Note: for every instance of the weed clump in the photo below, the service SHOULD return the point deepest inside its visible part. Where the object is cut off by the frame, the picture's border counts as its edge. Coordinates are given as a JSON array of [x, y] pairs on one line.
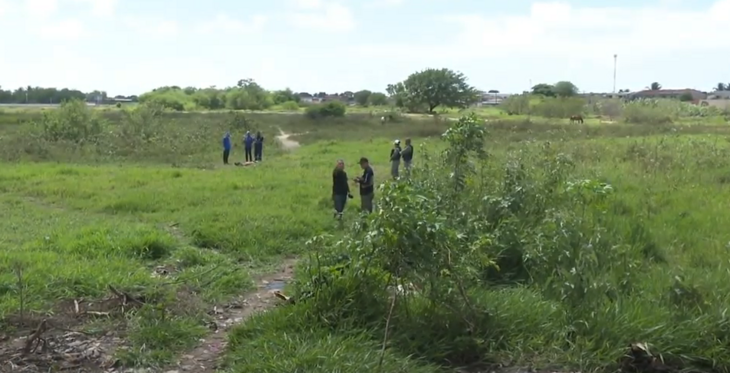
[[329, 109]]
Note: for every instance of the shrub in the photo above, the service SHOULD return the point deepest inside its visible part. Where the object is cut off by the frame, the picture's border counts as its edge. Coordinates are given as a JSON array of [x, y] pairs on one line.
[[73, 121], [290, 105], [648, 112], [516, 105], [562, 107], [328, 109]]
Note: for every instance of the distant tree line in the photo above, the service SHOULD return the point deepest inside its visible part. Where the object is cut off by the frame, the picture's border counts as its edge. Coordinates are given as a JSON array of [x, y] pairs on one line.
[[41, 95], [249, 95]]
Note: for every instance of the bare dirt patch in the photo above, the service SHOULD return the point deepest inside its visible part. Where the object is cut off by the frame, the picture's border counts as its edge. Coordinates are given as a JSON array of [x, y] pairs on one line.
[[286, 142], [205, 358]]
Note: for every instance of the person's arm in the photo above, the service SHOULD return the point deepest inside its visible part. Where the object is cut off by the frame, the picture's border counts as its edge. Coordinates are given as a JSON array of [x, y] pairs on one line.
[[344, 178], [368, 181]]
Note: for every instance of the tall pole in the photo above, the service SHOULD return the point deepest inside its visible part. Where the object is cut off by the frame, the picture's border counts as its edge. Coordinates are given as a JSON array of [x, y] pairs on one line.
[[615, 56]]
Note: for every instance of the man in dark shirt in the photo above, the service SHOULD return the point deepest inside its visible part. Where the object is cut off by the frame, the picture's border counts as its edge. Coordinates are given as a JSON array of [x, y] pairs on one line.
[[407, 155], [367, 185], [226, 147], [395, 155], [340, 188], [258, 147]]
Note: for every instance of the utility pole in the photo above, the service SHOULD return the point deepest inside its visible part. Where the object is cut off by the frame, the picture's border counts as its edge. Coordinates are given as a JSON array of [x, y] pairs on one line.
[[615, 57]]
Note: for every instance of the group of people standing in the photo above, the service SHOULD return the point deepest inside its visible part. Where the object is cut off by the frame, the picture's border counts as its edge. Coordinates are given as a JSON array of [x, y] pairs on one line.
[[341, 187], [396, 154], [253, 145]]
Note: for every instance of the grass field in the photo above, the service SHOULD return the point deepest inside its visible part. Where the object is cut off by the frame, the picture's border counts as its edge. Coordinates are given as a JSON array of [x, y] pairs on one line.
[[516, 244]]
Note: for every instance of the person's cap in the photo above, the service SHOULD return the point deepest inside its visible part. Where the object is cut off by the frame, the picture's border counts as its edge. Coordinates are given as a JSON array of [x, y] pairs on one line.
[[363, 160], [396, 142]]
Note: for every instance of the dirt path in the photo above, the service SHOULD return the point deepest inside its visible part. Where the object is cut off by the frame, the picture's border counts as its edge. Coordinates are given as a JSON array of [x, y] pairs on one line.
[[205, 358], [287, 143]]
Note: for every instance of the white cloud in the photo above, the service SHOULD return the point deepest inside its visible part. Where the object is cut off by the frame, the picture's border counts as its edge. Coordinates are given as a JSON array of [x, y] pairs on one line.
[[323, 16], [557, 28], [41, 9], [227, 24], [100, 8], [384, 3], [4, 8], [153, 27], [67, 30], [308, 4]]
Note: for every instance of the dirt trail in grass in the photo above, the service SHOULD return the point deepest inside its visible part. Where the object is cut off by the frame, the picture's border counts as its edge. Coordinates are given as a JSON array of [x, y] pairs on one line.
[[286, 142], [206, 357]]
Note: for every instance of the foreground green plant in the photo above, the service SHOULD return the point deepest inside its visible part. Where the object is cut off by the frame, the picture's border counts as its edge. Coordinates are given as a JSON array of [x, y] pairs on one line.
[[518, 259]]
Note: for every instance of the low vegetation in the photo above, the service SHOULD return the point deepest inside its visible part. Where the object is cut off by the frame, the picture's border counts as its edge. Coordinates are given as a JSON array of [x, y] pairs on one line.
[[520, 242]]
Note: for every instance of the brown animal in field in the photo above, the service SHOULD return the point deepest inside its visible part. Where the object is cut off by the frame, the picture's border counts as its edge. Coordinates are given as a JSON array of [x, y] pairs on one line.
[[576, 119]]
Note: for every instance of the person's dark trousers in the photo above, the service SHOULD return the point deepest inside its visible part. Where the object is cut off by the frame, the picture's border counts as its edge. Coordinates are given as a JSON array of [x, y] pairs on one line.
[[366, 202], [249, 157], [257, 152], [226, 154], [340, 200]]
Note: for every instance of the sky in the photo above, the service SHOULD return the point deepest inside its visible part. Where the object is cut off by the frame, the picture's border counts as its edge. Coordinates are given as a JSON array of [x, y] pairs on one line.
[[131, 46]]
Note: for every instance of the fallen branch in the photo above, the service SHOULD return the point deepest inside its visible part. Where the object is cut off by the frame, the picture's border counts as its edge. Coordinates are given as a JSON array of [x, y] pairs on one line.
[[125, 297], [42, 327]]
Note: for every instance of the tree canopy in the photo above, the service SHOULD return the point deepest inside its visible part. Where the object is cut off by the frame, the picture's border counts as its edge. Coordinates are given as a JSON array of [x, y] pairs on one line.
[[559, 89], [431, 88]]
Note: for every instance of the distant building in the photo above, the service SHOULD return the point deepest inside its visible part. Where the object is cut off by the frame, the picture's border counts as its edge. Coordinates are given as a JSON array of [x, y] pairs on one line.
[[305, 97], [719, 95], [669, 93]]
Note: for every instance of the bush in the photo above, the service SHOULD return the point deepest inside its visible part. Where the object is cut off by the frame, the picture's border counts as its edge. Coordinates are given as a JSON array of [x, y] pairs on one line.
[[290, 105], [329, 109], [73, 122], [516, 105], [559, 107], [648, 112]]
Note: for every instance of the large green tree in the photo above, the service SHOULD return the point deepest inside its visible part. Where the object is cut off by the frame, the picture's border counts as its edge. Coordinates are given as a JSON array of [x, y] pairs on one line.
[[378, 99], [431, 88], [655, 86], [362, 98], [544, 89], [565, 89]]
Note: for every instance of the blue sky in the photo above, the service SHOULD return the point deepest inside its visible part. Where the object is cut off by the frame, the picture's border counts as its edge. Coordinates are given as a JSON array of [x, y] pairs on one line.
[[131, 46]]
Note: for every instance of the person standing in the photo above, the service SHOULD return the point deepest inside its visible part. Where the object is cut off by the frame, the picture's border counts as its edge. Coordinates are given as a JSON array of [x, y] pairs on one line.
[[226, 147], [395, 156], [367, 186], [258, 147], [247, 144], [407, 155], [340, 188]]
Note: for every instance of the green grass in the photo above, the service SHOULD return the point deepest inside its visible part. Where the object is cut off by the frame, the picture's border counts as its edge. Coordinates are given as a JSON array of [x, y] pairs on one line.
[[581, 275]]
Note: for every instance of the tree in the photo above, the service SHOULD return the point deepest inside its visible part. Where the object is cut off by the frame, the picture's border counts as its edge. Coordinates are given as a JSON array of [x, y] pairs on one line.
[[544, 89], [362, 97], [655, 86], [431, 88], [378, 99], [721, 87], [285, 95], [565, 89]]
